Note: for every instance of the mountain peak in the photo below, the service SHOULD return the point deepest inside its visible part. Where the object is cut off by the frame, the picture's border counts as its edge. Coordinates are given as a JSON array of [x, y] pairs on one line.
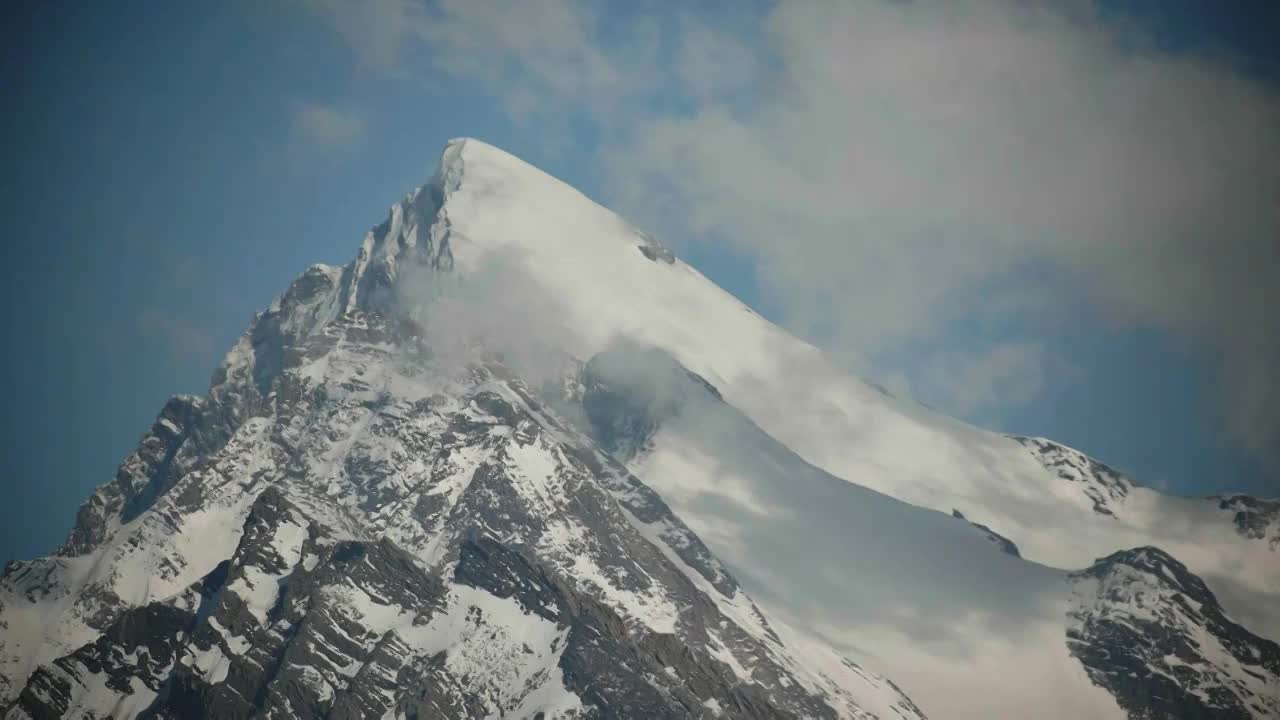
[[1156, 563], [492, 167], [1154, 635], [350, 523]]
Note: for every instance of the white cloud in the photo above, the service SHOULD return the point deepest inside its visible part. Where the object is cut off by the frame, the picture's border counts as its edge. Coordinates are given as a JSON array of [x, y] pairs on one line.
[[532, 55], [908, 154], [326, 126], [185, 340], [497, 307], [897, 167], [712, 64], [548, 44], [375, 30], [1008, 374]]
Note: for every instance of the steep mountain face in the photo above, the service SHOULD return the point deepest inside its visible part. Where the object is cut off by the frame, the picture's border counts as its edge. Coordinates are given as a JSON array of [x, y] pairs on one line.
[[452, 479], [1254, 518], [345, 527], [1155, 636], [600, 285], [1105, 488]]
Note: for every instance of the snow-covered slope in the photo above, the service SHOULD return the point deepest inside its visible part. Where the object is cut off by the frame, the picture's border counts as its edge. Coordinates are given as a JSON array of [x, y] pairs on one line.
[[384, 536], [375, 510], [899, 587], [907, 589], [598, 285]]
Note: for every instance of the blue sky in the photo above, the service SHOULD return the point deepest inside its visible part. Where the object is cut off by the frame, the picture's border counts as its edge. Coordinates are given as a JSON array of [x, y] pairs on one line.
[[173, 165]]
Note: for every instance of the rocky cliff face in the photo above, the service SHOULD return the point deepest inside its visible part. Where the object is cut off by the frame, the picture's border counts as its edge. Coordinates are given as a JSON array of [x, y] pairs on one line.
[[1104, 487], [340, 529], [1155, 636], [1254, 518]]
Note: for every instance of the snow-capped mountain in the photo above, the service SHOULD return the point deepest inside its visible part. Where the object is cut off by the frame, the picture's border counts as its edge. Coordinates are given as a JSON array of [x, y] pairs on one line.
[[592, 274], [350, 523], [516, 459]]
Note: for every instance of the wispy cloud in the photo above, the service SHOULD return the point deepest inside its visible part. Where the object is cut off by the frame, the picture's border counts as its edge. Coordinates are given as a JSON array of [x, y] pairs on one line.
[[376, 30], [712, 64], [1004, 375], [904, 155], [530, 55], [184, 339], [892, 160], [326, 126]]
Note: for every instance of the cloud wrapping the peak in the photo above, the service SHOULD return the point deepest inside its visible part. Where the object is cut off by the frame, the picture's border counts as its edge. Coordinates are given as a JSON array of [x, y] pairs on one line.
[[497, 309], [909, 154], [896, 169]]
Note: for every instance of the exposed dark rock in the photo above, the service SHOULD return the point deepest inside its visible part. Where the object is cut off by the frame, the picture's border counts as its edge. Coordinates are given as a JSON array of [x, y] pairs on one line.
[[654, 250], [1005, 544], [1152, 634], [1103, 485], [629, 392], [1255, 518]]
